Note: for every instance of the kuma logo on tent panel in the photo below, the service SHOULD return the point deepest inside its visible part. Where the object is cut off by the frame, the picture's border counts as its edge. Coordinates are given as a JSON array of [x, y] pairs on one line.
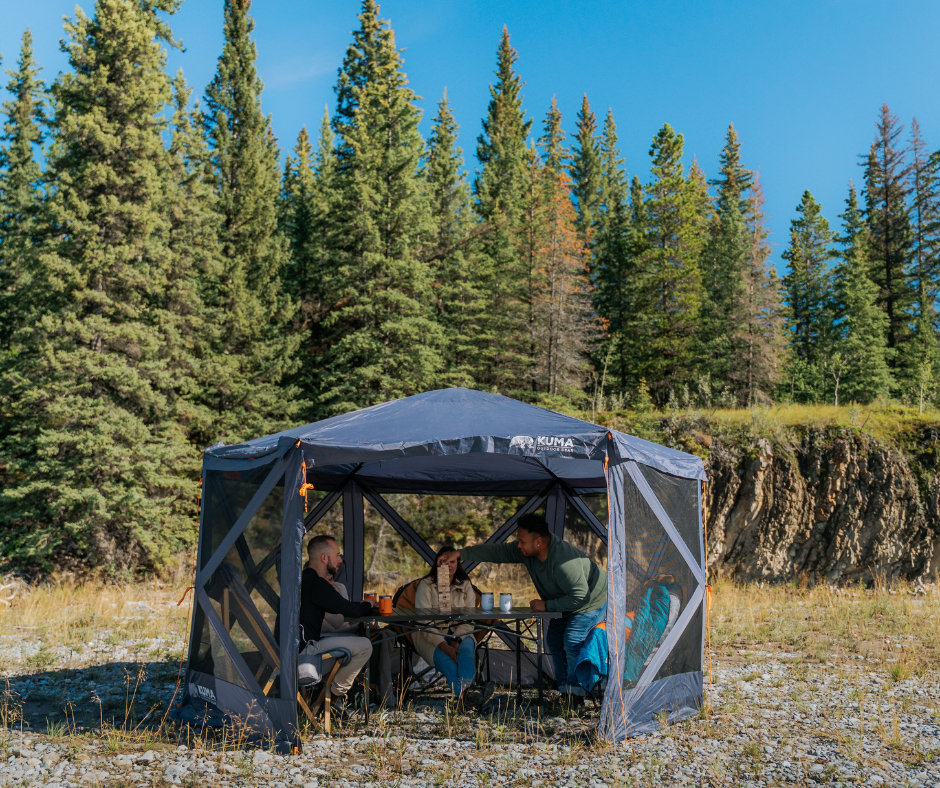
[[554, 442]]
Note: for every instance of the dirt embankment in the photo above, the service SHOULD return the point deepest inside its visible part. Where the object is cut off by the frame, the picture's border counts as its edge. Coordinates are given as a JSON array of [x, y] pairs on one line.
[[824, 506]]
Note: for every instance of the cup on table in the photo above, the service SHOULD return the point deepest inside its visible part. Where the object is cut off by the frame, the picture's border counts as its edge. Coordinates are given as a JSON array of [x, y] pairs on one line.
[[371, 597], [385, 606], [486, 602], [505, 602]]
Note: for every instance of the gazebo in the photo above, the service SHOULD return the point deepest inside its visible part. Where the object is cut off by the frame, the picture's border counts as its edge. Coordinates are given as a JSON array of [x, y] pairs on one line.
[[255, 514]]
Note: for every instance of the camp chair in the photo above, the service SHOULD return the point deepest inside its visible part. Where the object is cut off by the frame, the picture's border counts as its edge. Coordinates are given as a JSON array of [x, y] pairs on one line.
[[229, 591], [405, 597]]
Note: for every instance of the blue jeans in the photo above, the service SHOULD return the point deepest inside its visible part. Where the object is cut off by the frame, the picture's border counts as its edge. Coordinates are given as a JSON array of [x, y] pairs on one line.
[[564, 638], [459, 674]]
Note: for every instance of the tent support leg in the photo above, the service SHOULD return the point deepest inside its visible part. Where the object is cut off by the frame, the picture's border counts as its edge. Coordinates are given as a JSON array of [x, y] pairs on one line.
[[538, 649], [353, 544], [518, 665], [555, 507]]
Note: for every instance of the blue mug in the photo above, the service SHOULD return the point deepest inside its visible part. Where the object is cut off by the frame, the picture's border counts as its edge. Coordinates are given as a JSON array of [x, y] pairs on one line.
[[486, 602]]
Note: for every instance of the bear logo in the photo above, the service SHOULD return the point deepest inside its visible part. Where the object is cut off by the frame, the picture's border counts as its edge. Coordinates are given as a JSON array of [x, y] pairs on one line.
[[523, 442]]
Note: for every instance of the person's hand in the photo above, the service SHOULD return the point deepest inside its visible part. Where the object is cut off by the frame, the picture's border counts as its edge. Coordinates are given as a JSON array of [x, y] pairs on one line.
[[443, 558], [375, 607], [538, 605], [448, 649]]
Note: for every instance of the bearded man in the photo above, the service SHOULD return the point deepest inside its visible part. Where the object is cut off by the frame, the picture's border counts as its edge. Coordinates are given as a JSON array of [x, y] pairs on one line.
[[318, 596]]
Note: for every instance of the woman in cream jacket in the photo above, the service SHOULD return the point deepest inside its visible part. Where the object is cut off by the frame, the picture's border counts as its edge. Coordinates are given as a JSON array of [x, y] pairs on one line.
[[449, 651]]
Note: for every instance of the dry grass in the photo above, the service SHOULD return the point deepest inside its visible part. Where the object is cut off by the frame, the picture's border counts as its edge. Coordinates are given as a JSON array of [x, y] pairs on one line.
[[897, 626], [75, 614]]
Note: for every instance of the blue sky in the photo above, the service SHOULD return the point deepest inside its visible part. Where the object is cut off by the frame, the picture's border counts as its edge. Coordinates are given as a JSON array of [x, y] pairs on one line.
[[801, 81]]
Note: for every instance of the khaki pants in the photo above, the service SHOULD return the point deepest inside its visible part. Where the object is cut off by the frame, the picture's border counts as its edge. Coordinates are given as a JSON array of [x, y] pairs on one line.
[[360, 649]]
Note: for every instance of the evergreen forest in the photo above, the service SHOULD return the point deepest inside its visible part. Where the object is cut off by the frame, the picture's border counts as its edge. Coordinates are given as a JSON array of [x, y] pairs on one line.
[[173, 275]]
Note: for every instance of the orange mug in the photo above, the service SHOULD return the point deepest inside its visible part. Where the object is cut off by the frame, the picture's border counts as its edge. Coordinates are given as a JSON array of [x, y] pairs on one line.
[[385, 606], [372, 598]]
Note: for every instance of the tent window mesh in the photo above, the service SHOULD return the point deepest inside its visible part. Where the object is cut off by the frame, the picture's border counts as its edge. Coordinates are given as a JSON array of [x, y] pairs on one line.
[[679, 497], [211, 656], [659, 585], [580, 534]]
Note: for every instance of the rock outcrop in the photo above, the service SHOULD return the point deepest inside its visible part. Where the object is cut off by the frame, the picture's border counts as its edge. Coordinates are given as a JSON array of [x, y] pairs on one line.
[[828, 508]]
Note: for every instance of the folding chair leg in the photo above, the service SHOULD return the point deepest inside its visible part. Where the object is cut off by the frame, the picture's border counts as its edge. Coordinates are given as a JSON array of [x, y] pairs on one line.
[[325, 697], [326, 711], [303, 705]]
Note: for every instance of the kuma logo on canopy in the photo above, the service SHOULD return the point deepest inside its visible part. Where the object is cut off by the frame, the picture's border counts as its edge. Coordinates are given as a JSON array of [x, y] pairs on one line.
[[527, 443]]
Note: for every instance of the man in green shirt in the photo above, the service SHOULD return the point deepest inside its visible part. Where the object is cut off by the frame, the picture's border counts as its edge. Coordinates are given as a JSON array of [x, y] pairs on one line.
[[567, 581]]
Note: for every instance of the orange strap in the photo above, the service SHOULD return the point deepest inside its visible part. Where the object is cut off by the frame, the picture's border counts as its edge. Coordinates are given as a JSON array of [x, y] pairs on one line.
[[304, 488]]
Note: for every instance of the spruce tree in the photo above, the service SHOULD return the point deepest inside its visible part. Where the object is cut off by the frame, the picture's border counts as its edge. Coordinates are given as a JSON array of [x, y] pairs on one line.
[[384, 341], [859, 362], [925, 216], [191, 324], [20, 190], [499, 191], [671, 290], [100, 472], [586, 171], [809, 299], [755, 367], [256, 348], [453, 257], [613, 276], [726, 264], [297, 217], [562, 326], [887, 188]]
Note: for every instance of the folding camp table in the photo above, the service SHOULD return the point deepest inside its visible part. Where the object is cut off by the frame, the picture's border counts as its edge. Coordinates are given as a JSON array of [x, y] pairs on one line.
[[424, 619]]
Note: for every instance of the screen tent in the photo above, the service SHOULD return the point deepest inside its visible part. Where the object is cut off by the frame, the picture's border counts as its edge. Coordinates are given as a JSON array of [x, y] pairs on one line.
[[254, 517]]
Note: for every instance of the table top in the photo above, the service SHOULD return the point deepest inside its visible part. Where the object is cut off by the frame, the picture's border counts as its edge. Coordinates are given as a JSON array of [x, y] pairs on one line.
[[403, 615]]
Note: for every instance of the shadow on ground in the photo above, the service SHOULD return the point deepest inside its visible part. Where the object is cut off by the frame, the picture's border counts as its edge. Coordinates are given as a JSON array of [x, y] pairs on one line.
[[122, 694]]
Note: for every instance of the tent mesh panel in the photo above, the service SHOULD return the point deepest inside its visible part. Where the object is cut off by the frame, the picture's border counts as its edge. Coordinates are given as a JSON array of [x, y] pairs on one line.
[[211, 657], [659, 585], [679, 497]]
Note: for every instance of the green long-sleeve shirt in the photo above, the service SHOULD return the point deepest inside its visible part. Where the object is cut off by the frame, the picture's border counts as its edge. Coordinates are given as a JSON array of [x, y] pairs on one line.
[[567, 579]]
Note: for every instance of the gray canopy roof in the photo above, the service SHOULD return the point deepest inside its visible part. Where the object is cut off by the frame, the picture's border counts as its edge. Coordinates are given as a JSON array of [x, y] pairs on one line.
[[458, 436]]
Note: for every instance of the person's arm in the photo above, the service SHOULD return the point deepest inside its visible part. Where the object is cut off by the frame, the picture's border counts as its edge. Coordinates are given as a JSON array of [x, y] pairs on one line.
[[330, 600], [572, 577], [492, 553]]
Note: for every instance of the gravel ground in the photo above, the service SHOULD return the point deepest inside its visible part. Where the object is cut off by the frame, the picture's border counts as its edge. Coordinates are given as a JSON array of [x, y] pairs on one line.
[[775, 720], [835, 710]]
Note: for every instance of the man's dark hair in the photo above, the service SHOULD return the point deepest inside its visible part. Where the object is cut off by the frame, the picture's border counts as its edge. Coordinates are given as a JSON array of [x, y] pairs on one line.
[[534, 524], [314, 544]]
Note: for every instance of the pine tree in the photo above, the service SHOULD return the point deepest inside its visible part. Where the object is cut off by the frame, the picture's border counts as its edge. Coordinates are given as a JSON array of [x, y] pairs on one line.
[[499, 189], [859, 362], [887, 188], [450, 252], [758, 338], [586, 171], [256, 348], [925, 215], [297, 218], [20, 190], [613, 275], [385, 342], [561, 311], [726, 262], [809, 299], [190, 324], [99, 469], [671, 290]]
